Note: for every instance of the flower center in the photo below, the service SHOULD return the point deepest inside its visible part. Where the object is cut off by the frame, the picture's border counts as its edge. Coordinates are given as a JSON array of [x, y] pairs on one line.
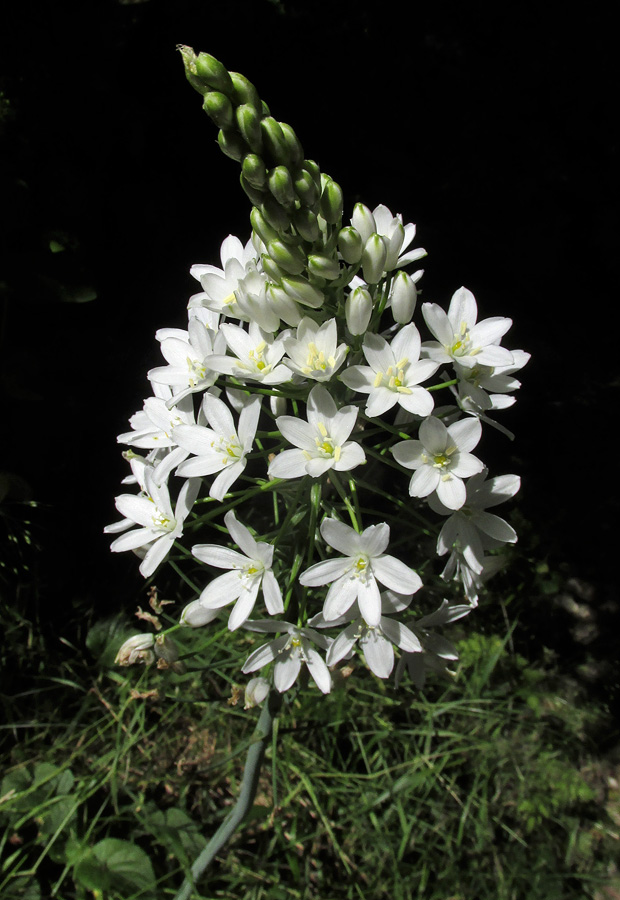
[[230, 449], [394, 377], [462, 345], [316, 361], [196, 371]]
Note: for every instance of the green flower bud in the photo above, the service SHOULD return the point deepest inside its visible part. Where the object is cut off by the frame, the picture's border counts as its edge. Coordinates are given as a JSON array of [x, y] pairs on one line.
[[274, 141], [213, 73], [272, 269], [301, 290], [262, 228], [350, 245], [274, 213], [219, 109], [358, 310], [331, 201], [295, 150], [312, 168], [245, 92], [373, 259], [232, 144], [306, 224], [248, 121], [285, 307], [305, 188], [364, 221], [323, 267], [254, 171], [255, 194], [288, 257], [281, 185]]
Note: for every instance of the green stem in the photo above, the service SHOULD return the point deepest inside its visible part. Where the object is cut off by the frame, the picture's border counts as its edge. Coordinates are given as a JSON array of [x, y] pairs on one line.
[[247, 792]]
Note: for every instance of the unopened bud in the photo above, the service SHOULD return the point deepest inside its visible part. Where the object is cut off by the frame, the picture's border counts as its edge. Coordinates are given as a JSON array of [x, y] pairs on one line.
[[305, 188], [248, 122], [274, 141], [195, 615], [136, 649], [358, 310], [275, 214], [244, 91], [323, 267], [262, 228], [281, 185], [394, 243], [295, 150], [211, 70], [287, 256], [350, 245], [283, 305], [232, 144], [255, 194], [363, 221], [403, 296], [219, 109], [255, 692], [306, 224], [254, 171], [272, 269], [301, 290], [373, 259], [331, 201]]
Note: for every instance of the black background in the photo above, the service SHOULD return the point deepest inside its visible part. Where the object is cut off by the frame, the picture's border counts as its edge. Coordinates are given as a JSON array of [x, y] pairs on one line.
[[493, 128]]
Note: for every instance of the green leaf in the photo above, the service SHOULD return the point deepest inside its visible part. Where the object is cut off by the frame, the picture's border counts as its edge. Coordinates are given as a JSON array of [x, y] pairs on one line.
[[113, 863]]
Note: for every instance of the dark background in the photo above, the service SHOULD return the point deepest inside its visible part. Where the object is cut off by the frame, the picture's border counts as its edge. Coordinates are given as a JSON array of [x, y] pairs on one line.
[[494, 129]]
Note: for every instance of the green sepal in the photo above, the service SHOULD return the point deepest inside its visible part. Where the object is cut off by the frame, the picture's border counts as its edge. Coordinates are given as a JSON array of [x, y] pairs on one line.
[[281, 185], [248, 121], [255, 194], [232, 144], [245, 92], [213, 73], [254, 171], [331, 202], [262, 228], [287, 257], [306, 224], [219, 109]]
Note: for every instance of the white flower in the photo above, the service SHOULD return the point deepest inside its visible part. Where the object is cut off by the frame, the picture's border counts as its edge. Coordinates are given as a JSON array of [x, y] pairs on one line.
[[482, 388], [221, 448], [219, 285], [460, 339], [136, 649], [376, 642], [354, 576], [187, 354], [153, 428], [322, 439], [396, 236], [394, 374], [441, 459], [251, 572], [471, 529], [256, 355], [437, 651], [289, 651], [313, 352], [196, 615], [159, 525]]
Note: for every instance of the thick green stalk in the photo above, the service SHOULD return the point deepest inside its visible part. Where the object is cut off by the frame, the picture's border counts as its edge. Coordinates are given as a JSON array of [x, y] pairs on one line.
[[249, 785]]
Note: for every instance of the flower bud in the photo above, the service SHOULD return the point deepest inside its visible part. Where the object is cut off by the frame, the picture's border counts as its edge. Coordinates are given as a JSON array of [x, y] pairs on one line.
[[331, 201], [323, 267], [219, 109], [274, 213], [306, 224], [254, 171], [211, 70], [283, 305], [244, 92], [373, 259], [295, 150], [136, 649], [262, 228], [195, 615], [272, 269], [255, 692], [248, 122], [301, 290], [281, 185], [309, 165], [305, 188], [287, 256], [232, 144], [363, 221], [403, 296], [358, 310], [255, 194], [274, 141], [350, 245], [394, 243]]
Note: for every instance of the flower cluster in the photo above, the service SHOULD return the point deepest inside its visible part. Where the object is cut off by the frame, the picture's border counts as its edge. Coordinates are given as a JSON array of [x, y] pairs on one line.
[[301, 372]]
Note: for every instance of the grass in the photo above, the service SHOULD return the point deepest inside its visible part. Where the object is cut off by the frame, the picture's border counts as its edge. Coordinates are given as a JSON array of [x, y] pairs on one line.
[[487, 785]]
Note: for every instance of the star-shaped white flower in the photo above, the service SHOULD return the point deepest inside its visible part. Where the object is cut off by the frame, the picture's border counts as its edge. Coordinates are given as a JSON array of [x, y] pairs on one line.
[[355, 575], [187, 354], [219, 285], [441, 459], [250, 572], [288, 652], [460, 339], [256, 355], [312, 351], [437, 651], [394, 374], [222, 447], [376, 642], [396, 236], [322, 440]]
